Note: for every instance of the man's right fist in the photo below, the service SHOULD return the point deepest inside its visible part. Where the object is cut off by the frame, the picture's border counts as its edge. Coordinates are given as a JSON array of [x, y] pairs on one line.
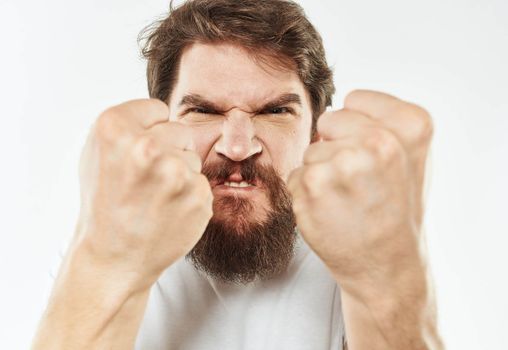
[[144, 202]]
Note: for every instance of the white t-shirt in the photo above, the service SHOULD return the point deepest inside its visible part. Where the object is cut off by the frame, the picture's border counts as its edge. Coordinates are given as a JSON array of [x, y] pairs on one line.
[[299, 310]]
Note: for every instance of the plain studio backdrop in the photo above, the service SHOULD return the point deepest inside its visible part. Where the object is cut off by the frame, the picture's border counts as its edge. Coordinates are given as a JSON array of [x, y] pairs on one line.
[[63, 62]]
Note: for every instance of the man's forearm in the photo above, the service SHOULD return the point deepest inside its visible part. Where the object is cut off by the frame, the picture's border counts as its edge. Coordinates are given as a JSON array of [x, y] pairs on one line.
[[90, 309], [400, 316]]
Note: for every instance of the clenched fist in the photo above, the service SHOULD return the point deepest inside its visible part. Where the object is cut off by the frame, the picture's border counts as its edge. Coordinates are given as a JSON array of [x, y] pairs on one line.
[[358, 196], [144, 202]]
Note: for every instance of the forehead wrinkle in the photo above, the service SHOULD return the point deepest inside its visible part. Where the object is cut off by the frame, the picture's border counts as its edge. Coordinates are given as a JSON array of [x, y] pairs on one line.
[[241, 109], [250, 99]]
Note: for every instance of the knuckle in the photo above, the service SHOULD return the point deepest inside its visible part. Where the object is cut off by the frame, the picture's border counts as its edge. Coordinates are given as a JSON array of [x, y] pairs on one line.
[[158, 106], [421, 127], [176, 167], [351, 163], [107, 126], [308, 178], [324, 121], [352, 96], [342, 162], [173, 172], [314, 178], [145, 151], [384, 145]]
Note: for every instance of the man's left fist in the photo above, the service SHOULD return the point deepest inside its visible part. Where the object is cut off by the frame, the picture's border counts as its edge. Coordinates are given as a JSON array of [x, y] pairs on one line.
[[358, 196]]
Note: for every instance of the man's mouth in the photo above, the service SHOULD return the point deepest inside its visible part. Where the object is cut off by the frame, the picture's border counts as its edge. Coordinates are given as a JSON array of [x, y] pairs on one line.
[[237, 184], [235, 180]]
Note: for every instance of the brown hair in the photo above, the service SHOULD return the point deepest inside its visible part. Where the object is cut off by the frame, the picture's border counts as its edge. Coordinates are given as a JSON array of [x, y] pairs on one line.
[[266, 28]]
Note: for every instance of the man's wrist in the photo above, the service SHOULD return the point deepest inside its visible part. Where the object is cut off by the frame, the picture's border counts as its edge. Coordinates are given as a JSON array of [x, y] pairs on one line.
[[109, 275], [400, 311], [409, 283], [387, 273]]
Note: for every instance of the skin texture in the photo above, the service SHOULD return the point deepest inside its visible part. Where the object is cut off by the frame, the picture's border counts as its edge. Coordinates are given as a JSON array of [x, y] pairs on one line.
[[357, 199]]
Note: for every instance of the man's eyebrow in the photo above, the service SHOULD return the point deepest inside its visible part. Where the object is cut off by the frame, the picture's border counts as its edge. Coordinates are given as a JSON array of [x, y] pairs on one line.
[[283, 99], [198, 100]]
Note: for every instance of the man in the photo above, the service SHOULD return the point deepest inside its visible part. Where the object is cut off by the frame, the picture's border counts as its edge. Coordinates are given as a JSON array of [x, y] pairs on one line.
[[274, 203]]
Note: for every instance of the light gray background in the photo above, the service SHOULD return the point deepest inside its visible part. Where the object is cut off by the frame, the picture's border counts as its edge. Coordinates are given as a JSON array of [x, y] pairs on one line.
[[63, 62]]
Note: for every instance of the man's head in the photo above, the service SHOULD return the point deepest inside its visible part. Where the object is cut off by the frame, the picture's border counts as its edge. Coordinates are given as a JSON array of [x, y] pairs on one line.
[[250, 78]]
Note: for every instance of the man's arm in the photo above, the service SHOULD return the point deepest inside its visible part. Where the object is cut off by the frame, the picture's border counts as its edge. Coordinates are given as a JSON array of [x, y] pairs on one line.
[[144, 205], [90, 308], [400, 316], [358, 203]]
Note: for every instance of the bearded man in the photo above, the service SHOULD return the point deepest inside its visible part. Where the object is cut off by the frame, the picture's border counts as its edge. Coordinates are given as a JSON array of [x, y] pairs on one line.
[[232, 211]]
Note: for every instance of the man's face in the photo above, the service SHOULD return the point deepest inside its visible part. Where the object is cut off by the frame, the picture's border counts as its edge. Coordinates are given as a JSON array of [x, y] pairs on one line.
[[251, 124]]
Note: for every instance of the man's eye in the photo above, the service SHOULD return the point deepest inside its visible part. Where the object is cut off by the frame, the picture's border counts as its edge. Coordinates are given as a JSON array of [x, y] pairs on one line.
[[200, 110], [278, 110]]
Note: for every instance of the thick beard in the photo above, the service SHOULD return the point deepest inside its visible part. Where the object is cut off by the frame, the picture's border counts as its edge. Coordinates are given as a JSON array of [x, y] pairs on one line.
[[237, 249]]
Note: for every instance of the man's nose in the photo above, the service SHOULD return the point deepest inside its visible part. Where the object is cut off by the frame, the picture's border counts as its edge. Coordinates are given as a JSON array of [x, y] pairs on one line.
[[238, 138]]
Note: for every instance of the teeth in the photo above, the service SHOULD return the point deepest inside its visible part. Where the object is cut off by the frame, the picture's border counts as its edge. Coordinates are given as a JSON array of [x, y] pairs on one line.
[[237, 184]]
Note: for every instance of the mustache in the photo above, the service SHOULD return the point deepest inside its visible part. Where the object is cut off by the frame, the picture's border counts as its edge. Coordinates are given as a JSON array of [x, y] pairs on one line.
[[250, 169]]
